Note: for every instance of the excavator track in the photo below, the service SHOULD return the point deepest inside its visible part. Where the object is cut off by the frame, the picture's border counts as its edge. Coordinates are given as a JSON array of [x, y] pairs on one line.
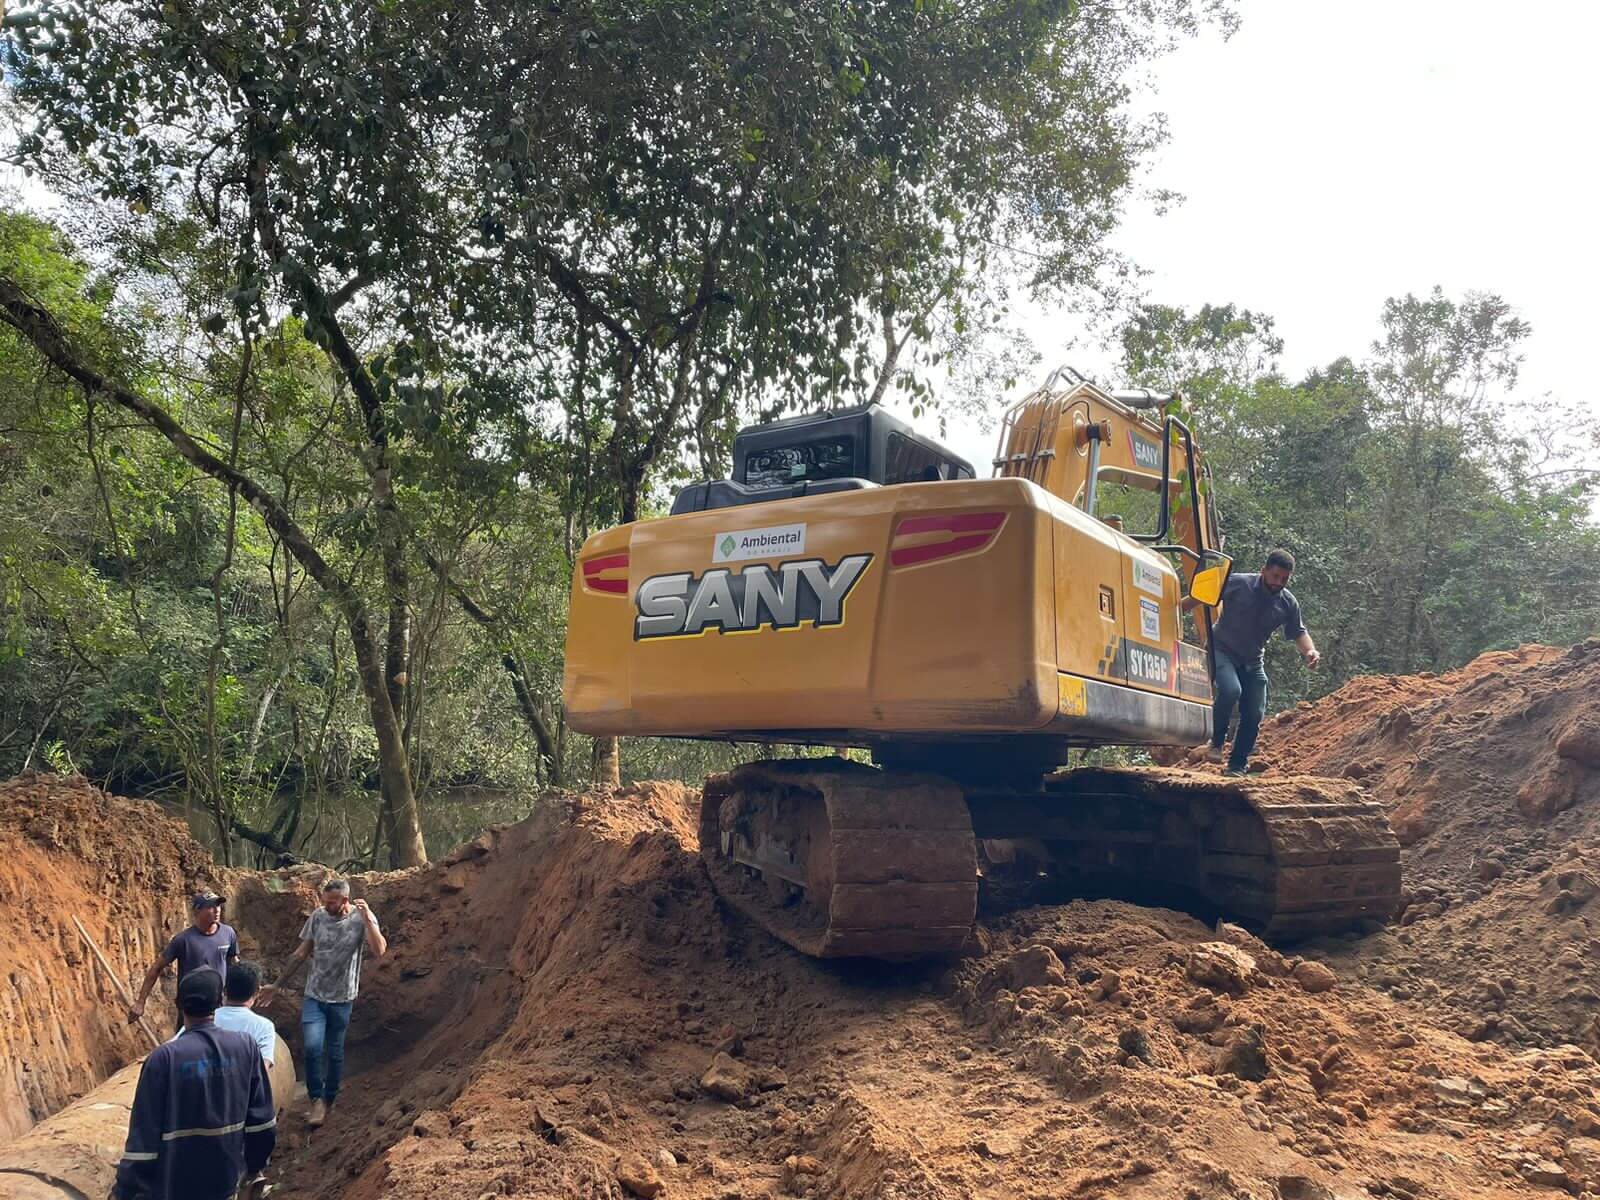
[[1290, 857], [844, 860], [840, 859]]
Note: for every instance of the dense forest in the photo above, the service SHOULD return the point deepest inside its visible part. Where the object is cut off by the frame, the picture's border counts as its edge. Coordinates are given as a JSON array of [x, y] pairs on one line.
[[340, 328]]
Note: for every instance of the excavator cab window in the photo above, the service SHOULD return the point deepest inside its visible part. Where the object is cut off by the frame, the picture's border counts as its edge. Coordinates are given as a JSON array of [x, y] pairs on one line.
[[909, 461], [1138, 507], [804, 462]]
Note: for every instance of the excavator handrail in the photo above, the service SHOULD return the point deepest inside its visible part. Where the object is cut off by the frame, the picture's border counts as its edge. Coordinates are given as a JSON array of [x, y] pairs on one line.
[[1157, 540], [1164, 524]]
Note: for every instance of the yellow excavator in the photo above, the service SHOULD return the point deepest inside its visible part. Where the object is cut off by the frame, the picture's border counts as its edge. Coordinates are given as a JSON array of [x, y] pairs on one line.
[[855, 586]]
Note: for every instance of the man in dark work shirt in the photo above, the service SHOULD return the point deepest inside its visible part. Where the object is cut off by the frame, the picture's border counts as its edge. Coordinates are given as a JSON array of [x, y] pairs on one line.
[[206, 943], [202, 1116], [1254, 607]]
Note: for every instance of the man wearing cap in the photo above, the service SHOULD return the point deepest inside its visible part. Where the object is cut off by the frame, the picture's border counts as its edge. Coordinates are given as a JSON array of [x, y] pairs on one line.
[[335, 938], [202, 1117], [206, 943]]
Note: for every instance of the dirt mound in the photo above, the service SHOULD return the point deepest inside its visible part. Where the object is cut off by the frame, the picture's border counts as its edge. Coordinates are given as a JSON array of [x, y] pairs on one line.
[[121, 867], [1492, 777], [568, 1010]]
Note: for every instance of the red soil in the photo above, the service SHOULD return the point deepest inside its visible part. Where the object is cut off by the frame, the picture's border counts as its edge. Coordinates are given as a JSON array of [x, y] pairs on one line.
[[124, 870]]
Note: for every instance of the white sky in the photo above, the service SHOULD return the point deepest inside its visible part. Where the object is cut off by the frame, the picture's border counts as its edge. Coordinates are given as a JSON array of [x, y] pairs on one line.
[[1332, 155]]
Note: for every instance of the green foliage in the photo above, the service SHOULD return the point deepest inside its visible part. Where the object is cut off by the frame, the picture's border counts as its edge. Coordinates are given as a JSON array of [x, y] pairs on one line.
[[730, 203], [1429, 525]]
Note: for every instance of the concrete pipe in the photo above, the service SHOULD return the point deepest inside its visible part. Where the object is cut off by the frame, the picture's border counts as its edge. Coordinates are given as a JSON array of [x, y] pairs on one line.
[[73, 1155]]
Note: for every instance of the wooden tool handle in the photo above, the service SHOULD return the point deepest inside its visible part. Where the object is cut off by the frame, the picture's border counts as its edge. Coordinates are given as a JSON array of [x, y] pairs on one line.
[[127, 997]]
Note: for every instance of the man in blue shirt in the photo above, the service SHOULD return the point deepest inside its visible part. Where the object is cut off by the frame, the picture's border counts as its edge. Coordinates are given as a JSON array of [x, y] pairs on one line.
[[206, 943], [202, 1117], [239, 991], [1254, 607]]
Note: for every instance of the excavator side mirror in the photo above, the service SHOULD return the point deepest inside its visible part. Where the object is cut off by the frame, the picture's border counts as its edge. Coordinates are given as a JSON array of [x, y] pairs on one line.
[[1206, 586]]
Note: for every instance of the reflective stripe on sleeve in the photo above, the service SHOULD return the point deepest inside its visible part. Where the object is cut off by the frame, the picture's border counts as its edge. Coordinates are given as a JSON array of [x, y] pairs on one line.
[[219, 1131]]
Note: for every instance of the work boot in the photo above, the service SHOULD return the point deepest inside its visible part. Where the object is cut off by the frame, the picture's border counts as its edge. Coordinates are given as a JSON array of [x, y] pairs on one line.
[[318, 1114], [1215, 754], [1236, 772]]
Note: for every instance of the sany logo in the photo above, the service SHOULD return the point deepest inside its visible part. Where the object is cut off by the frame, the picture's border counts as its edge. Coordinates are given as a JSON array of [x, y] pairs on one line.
[[782, 597], [1146, 451]]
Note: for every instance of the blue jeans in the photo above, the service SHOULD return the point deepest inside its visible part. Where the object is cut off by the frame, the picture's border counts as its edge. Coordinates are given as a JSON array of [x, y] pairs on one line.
[[322, 1027], [1245, 686]]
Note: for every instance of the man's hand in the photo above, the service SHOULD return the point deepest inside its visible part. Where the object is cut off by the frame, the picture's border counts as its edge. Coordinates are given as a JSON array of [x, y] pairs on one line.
[[1313, 657], [265, 997], [135, 1011], [377, 944]]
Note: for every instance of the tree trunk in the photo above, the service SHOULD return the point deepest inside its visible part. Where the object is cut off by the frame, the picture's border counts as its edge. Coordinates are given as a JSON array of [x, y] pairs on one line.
[[403, 818], [533, 717], [891, 359], [607, 763], [396, 659], [399, 800]]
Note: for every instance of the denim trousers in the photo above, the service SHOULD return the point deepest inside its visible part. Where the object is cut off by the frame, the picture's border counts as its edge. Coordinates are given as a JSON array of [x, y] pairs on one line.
[[1244, 685], [322, 1027]]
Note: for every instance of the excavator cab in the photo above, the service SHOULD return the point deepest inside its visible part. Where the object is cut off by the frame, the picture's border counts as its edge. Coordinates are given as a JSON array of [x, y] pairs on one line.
[[821, 453]]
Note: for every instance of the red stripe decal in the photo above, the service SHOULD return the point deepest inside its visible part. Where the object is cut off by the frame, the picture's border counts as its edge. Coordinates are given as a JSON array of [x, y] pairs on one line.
[[908, 555], [958, 523], [594, 566]]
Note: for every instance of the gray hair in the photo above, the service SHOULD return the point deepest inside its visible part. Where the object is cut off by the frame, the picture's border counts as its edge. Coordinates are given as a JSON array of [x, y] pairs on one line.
[[337, 885]]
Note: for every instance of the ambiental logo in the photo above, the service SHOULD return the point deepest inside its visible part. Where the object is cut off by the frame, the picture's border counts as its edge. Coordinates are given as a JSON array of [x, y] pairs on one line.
[[739, 545]]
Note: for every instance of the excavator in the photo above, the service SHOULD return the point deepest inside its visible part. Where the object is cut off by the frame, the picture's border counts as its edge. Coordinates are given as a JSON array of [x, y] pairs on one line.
[[855, 586]]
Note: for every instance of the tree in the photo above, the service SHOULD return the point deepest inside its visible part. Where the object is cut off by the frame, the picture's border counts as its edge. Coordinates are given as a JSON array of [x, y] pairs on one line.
[[1436, 367], [1428, 525], [718, 209]]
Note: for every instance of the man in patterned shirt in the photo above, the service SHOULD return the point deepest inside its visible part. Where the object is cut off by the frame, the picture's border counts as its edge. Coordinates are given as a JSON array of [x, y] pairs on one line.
[[335, 938]]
